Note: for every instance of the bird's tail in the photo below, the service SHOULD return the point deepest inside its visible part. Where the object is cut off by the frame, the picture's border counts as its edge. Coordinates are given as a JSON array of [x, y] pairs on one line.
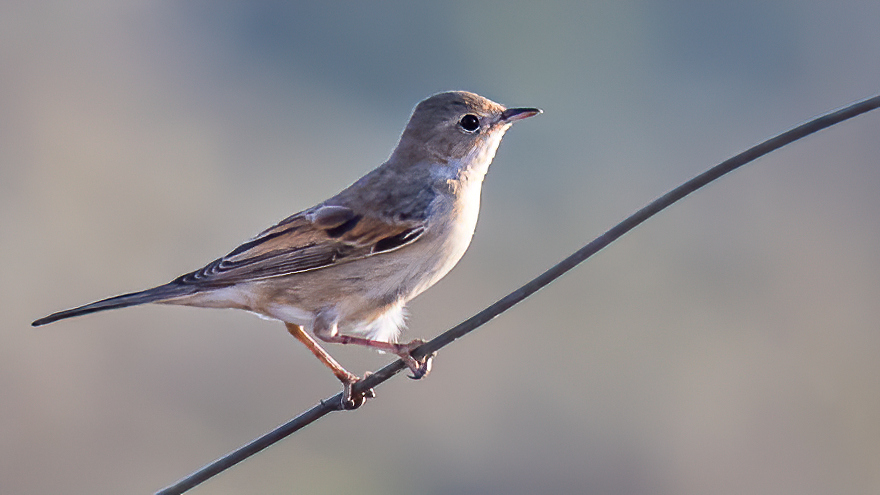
[[156, 294]]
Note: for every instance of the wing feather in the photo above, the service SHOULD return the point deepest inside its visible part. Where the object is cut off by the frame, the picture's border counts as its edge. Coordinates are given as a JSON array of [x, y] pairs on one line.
[[306, 241]]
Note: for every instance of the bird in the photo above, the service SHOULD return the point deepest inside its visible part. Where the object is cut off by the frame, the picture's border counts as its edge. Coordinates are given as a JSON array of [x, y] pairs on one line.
[[344, 269]]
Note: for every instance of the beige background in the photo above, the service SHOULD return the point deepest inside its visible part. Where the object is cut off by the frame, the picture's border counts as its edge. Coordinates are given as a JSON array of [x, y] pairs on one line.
[[731, 345]]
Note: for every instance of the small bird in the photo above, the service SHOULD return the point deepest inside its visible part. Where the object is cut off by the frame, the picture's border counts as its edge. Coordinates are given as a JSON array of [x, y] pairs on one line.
[[345, 268]]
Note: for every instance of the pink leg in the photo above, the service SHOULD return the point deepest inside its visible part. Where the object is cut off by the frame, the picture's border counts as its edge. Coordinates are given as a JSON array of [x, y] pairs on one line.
[[348, 379], [328, 332]]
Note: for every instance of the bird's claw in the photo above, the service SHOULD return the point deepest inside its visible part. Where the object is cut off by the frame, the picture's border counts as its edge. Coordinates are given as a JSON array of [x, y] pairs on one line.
[[419, 367], [351, 401]]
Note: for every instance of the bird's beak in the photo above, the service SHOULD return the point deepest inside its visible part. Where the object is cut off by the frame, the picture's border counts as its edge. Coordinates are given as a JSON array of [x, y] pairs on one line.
[[514, 114]]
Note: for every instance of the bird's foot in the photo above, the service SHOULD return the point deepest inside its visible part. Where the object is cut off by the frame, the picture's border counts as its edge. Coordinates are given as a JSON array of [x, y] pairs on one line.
[[350, 400], [419, 367]]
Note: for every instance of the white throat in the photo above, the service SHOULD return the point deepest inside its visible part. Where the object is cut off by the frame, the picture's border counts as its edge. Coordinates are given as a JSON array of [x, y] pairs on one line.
[[475, 164]]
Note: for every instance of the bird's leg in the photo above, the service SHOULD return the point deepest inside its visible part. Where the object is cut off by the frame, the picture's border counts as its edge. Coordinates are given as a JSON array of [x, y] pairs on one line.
[[347, 378], [419, 368]]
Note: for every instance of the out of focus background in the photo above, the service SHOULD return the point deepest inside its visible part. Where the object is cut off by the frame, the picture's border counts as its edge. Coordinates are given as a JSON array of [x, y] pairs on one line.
[[730, 345]]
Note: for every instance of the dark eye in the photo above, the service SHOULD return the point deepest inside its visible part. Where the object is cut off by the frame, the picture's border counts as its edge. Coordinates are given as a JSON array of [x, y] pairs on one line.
[[469, 123]]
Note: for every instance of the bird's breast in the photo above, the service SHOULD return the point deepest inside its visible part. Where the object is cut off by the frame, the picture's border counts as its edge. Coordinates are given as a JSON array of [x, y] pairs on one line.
[[450, 228]]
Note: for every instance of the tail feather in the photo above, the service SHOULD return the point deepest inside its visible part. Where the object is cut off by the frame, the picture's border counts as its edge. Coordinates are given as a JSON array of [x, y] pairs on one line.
[[155, 294]]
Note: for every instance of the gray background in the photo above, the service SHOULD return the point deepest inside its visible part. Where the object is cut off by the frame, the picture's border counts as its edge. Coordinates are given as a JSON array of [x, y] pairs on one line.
[[728, 346]]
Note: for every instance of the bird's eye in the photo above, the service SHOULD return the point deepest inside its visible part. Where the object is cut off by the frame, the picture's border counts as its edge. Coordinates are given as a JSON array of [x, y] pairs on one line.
[[469, 123]]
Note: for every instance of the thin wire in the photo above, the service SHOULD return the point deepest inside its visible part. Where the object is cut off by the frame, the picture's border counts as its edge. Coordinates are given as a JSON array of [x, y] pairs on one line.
[[333, 403]]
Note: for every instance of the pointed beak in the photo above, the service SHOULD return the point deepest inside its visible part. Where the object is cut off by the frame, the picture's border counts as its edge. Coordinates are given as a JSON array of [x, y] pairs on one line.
[[514, 114]]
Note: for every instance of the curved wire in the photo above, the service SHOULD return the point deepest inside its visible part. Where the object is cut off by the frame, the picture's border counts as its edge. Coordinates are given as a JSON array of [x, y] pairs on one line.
[[332, 404]]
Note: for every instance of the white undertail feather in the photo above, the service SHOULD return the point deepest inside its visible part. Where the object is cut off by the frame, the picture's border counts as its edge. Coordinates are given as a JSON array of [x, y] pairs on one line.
[[387, 327]]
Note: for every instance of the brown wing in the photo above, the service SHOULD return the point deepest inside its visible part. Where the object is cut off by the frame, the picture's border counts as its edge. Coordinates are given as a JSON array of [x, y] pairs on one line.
[[306, 241]]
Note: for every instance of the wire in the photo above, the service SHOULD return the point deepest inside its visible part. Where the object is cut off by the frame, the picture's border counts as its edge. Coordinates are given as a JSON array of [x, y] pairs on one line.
[[333, 403]]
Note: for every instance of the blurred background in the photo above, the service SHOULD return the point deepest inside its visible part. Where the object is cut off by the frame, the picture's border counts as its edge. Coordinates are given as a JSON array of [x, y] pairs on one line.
[[730, 345]]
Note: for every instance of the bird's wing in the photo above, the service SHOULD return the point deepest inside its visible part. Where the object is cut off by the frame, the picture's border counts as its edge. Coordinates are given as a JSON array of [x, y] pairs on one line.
[[310, 240]]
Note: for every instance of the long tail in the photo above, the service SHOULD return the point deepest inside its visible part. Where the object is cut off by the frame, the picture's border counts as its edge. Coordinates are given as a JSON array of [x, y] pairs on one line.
[[155, 294]]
